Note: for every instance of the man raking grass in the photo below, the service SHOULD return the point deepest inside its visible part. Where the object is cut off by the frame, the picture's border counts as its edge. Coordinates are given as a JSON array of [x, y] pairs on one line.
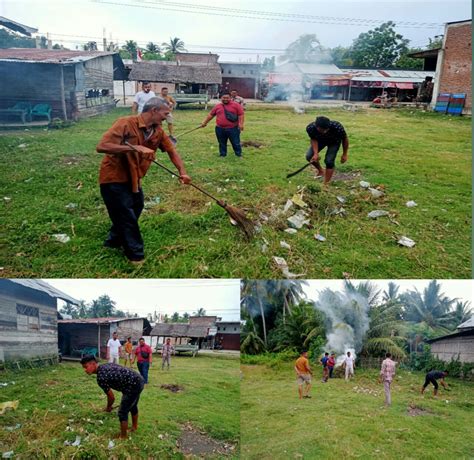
[[432, 377], [114, 377]]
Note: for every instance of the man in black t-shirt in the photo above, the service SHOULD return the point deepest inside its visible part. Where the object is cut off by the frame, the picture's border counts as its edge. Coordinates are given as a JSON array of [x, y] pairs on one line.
[[431, 377], [331, 134], [128, 382]]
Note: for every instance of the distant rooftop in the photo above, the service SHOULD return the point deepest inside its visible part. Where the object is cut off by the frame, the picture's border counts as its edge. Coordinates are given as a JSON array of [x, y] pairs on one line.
[[17, 27], [43, 286], [49, 56]]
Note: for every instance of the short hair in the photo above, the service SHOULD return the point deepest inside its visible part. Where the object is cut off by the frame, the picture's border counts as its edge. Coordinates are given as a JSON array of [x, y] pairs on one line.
[[141, 338], [155, 103], [348, 353], [388, 355], [115, 332], [225, 93], [326, 354], [129, 338], [233, 90], [168, 339], [304, 351], [146, 82], [164, 87], [323, 122], [87, 359], [446, 371]]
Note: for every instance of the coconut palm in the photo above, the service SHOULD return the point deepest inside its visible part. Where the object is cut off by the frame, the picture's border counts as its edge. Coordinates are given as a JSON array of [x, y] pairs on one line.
[[90, 46], [131, 47], [286, 294], [200, 312], [254, 300], [175, 45], [153, 48], [306, 48], [430, 308], [461, 313]]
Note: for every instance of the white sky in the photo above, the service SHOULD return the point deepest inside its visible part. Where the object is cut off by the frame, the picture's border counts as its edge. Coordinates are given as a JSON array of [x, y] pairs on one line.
[[143, 296], [130, 20], [460, 289]]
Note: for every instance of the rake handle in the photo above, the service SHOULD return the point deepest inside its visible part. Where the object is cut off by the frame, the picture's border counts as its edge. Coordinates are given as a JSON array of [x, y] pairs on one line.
[[219, 202], [187, 132]]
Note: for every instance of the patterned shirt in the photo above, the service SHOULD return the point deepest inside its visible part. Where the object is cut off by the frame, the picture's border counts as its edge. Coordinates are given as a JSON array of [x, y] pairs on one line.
[[336, 133], [167, 350], [119, 378], [387, 372]]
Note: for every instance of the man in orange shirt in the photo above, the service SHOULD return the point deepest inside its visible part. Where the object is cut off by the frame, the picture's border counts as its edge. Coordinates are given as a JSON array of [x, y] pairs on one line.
[[128, 352], [303, 375], [122, 170]]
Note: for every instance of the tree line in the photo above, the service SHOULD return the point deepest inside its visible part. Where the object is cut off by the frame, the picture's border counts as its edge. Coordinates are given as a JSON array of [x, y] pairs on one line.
[[278, 317]]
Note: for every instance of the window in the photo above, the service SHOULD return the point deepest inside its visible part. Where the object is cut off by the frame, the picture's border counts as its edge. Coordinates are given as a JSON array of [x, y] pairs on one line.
[[251, 72], [27, 318], [223, 329], [245, 72], [229, 72], [235, 328]]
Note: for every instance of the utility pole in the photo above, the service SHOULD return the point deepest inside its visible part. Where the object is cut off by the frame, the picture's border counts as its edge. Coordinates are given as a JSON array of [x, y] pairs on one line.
[[104, 39]]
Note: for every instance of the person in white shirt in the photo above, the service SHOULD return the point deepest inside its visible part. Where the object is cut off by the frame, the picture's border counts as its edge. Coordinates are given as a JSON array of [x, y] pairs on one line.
[[142, 97], [349, 365], [114, 349]]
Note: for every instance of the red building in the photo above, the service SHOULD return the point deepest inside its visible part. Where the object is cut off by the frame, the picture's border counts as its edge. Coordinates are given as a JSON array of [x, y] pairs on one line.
[[228, 335]]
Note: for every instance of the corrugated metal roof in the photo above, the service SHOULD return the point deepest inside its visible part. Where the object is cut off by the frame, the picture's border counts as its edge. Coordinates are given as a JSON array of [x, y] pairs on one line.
[[415, 76], [40, 285], [108, 320], [308, 68], [34, 55], [170, 72], [467, 324], [17, 27], [179, 330]]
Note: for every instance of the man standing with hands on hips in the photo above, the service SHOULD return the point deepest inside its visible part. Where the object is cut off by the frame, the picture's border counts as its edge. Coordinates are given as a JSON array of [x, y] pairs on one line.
[[229, 124]]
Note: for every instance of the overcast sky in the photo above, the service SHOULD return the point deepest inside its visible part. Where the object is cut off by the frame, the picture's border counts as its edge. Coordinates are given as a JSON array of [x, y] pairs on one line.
[[203, 30], [217, 297], [460, 289]]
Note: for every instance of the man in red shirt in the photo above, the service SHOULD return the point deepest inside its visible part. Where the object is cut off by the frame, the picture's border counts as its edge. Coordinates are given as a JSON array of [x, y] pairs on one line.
[[143, 355], [229, 123]]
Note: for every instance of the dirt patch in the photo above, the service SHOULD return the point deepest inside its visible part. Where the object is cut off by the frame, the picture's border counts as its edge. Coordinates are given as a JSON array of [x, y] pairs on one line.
[[195, 442], [415, 411], [254, 144], [71, 160], [173, 388], [347, 176]]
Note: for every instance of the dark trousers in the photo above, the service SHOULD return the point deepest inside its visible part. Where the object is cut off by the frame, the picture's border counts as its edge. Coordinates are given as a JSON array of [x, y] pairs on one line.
[[128, 404], [428, 380], [124, 208], [331, 370], [331, 153], [232, 134], [143, 369]]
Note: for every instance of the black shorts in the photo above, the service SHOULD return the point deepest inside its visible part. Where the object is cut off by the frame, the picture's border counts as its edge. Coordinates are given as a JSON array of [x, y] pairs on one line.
[[331, 153], [429, 380], [128, 404]]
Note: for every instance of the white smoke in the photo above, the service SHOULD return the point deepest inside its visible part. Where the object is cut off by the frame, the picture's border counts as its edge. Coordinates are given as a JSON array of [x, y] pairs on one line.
[[347, 316]]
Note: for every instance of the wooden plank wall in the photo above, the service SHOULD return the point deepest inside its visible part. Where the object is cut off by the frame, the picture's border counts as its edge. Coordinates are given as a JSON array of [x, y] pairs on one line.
[[27, 342]]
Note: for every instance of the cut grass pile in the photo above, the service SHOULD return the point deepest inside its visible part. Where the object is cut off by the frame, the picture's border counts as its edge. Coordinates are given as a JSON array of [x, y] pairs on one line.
[[349, 420], [48, 186], [62, 402]]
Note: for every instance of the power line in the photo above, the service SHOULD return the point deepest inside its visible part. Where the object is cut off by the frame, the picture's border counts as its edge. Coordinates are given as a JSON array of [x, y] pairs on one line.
[[280, 17]]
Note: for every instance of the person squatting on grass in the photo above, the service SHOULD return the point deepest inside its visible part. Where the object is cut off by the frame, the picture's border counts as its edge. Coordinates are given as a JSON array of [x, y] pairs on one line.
[[229, 124], [303, 375], [324, 132], [122, 170], [114, 349], [431, 377], [387, 372], [114, 377], [166, 354], [324, 361], [349, 366], [143, 354]]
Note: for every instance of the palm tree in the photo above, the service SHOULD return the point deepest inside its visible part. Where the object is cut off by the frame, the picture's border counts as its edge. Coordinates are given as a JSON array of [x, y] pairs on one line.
[[90, 46], [153, 48], [254, 295], [82, 309], [306, 48], [287, 294], [175, 45], [461, 313], [432, 308], [200, 312], [131, 47]]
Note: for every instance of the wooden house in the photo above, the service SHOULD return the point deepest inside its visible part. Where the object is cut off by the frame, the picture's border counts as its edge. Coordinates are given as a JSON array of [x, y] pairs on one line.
[[28, 319], [77, 335], [228, 335], [75, 84]]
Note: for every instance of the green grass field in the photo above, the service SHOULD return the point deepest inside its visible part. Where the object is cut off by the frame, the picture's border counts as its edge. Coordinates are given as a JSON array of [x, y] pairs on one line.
[[413, 156], [53, 399], [348, 419]]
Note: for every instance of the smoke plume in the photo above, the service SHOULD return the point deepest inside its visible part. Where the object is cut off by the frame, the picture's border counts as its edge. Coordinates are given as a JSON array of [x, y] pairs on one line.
[[347, 321]]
